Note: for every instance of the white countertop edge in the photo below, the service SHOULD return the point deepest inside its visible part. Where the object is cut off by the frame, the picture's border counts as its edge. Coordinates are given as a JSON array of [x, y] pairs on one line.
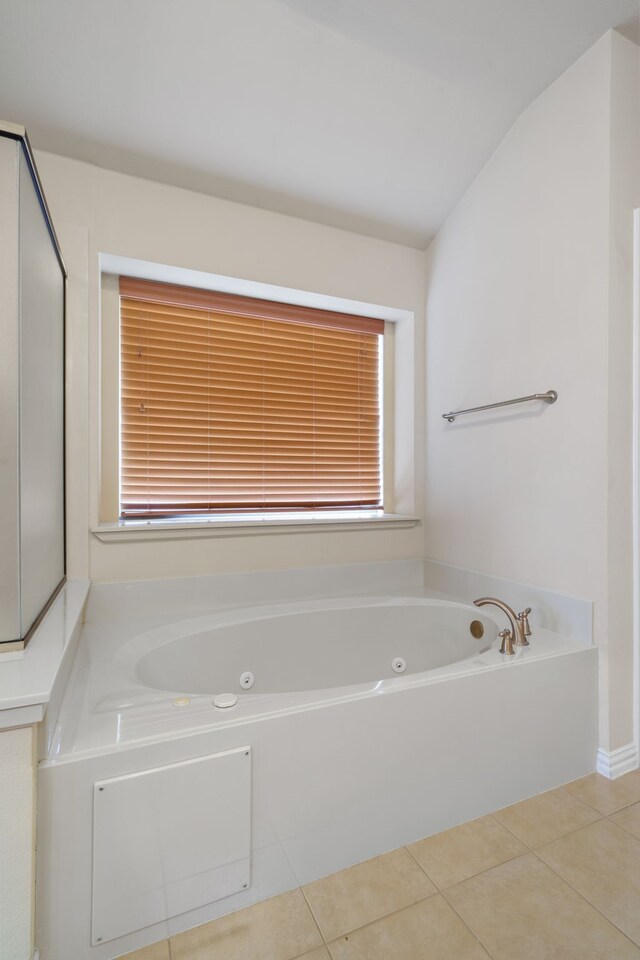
[[26, 684], [183, 530]]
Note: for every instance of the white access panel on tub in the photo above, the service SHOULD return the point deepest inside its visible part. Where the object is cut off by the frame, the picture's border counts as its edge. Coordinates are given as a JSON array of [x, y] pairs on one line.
[[168, 840]]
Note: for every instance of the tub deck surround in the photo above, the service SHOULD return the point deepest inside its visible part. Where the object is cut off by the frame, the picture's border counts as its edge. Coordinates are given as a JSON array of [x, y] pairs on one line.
[[339, 774], [570, 616], [30, 680], [150, 680], [163, 681], [181, 597]]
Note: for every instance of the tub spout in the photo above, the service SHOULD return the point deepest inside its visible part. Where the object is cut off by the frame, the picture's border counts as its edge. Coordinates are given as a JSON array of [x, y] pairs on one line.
[[518, 624]]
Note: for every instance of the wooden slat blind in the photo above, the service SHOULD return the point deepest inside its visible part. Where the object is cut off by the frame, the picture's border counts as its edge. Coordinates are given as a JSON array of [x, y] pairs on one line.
[[224, 408]]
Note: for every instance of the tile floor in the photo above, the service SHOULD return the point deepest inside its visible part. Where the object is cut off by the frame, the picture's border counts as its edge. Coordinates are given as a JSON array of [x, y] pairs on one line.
[[556, 877]]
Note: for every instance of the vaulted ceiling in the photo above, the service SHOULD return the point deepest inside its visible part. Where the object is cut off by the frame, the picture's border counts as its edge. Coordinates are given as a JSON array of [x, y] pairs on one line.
[[371, 115]]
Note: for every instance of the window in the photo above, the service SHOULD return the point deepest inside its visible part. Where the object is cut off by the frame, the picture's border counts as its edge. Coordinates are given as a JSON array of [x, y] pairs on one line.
[[231, 404]]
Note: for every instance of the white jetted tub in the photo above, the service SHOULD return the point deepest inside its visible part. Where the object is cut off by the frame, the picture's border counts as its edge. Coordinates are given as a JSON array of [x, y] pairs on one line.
[[344, 727], [317, 645]]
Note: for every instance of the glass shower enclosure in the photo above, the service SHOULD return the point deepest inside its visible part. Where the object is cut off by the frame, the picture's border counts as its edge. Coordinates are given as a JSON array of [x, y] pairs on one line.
[[32, 316]]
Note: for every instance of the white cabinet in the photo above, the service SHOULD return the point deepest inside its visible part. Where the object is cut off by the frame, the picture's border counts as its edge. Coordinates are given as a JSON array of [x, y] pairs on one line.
[[32, 291]]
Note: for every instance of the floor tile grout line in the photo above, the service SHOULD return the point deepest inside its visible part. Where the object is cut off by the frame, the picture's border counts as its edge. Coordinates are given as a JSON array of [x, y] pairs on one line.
[[386, 916], [447, 890], [370, 923], [620, 809], [561, 836], [616, 824], [464, 922], [313, 916], [564, 787], [509, 830], [625, 806], [383, 916], [440, 889], [602, 817], [423, 868], [307, 953], [586, 900]]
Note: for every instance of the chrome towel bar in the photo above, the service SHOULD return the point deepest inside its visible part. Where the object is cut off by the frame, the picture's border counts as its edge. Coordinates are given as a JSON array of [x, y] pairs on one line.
[[549, 397]]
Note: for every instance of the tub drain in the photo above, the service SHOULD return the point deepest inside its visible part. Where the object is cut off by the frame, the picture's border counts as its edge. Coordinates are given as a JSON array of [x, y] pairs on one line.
[[247, 679], [224, 700], [398, 665]]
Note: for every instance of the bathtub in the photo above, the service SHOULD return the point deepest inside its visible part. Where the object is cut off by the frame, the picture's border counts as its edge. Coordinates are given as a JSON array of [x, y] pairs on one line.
[[301, 647], [340, 728]]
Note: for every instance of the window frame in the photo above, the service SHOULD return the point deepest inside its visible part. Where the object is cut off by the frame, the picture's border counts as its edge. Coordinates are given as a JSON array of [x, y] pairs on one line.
[[110, 528]]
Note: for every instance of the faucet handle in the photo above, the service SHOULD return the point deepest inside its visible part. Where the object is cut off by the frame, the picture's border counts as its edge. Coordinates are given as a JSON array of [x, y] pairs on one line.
[[506, 645], [524, 621]]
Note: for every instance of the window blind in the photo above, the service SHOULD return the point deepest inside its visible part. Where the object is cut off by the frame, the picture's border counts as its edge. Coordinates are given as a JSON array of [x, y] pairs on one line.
[[235, 404]]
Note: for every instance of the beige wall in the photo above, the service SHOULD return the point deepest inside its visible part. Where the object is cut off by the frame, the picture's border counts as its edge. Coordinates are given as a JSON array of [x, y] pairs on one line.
[[98, 211], [529, 286], [17, 836]]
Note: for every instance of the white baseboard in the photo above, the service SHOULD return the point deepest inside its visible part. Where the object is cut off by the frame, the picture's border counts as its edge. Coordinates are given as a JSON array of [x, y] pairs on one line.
[[36, 954], [616, 763]]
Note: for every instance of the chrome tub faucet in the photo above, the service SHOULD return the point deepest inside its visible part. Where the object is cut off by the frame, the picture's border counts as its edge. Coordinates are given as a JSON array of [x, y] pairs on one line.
[[519, 623]]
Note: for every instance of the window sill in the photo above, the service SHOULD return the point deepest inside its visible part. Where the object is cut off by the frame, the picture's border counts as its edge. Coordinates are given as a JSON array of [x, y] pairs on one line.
[[129, 530]]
